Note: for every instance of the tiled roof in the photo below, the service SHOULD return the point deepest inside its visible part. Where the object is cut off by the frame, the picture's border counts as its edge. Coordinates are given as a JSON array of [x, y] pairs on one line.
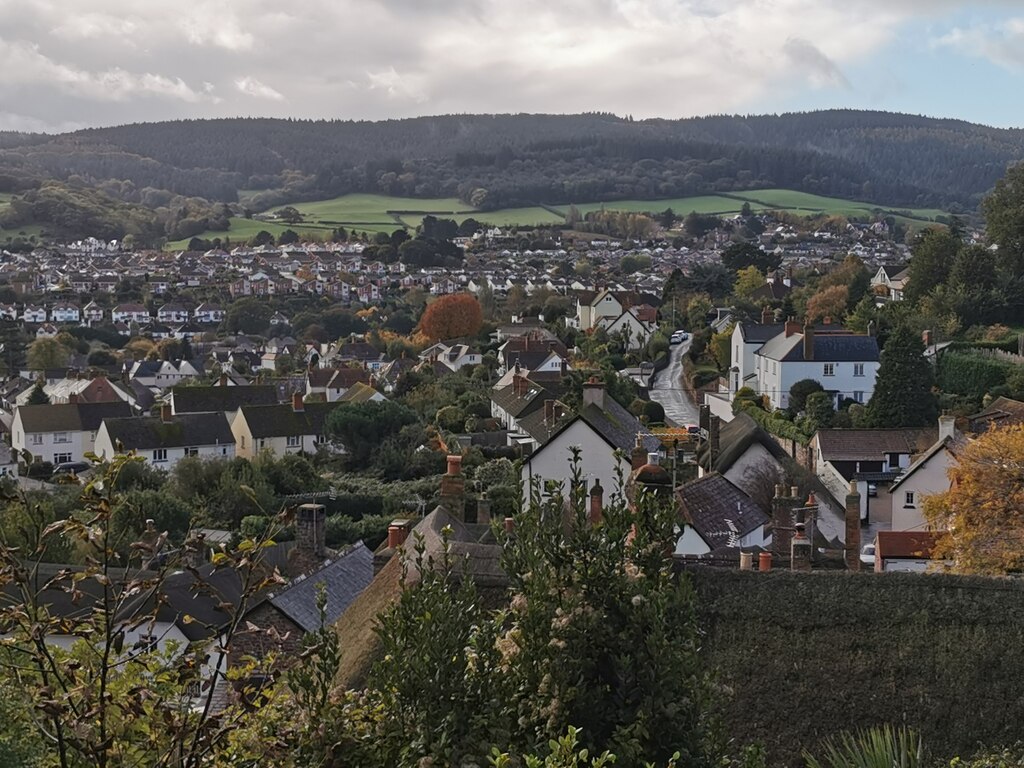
[[873, 444], [191, 429], [72, 417], [906, 545], [211, 399], [283, 421], [344, 578], [719, 511]]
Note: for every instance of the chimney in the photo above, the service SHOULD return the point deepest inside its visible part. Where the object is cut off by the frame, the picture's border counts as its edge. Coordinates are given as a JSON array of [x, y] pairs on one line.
[[792, 327], [565, 366], [808, 341], [593, 393], [194, 553], [852, 548], [549, 411], [483, 509], [453, 488], [165, 413], [764, 562], [398, 532], [746, 561], [766, 315], [947, 427], [782, 521], [73, 398], [871, 328], [596, 503], [510, 524], [223, 379], [714, 428], [519, 385], [639, 455], [926, 337], [297, 405], [311, 530], [800, 548]]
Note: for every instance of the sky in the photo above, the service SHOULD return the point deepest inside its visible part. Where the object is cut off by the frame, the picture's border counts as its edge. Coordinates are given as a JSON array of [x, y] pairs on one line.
[[68, 64]]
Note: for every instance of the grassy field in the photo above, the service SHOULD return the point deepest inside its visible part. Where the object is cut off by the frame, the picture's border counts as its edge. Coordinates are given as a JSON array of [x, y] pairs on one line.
[[380, 213]]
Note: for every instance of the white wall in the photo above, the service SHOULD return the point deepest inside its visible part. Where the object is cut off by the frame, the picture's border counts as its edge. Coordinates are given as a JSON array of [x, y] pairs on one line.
[[597, 461], [930, 478], [775, 379], [79, 443], [690, 543]]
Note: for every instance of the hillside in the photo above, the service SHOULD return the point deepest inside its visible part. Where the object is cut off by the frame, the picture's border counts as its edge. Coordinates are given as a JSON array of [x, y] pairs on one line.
[[491, 162]]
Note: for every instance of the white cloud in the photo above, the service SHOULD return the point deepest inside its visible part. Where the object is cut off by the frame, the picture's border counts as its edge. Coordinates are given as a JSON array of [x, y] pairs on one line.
[[250, 86], [395, 58], [1001, 43]]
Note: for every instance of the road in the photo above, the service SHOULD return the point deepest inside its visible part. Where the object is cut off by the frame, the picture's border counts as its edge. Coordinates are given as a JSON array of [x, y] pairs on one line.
[[667, 389]]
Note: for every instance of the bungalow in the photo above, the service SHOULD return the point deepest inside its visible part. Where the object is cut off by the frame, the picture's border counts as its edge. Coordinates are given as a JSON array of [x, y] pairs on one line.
[[906, 551], [166, 439]]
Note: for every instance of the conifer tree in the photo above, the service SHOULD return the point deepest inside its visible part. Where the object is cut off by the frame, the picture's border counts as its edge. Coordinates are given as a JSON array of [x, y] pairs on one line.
[[903, 394]]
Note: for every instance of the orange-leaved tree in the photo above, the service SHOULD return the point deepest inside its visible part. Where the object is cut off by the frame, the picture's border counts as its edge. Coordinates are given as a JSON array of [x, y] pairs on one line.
[[982, 514], [451, 317]]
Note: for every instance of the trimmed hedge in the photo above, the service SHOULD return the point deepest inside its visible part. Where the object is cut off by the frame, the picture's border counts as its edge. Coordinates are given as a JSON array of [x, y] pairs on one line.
[[805, 656], [971, 375]]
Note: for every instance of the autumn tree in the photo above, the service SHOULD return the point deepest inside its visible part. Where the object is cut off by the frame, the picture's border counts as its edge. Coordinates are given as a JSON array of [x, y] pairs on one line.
[[452, 317], [828, 303], [980, 513], [748, 280]]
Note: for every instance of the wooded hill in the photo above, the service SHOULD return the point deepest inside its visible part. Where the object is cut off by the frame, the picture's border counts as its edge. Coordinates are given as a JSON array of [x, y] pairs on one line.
[[495, 161]]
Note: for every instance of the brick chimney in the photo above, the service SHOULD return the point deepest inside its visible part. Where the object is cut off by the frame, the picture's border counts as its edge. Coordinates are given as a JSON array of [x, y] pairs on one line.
[[520, 385], [397, 534], [783, 505], [297, 405], [73, 398], [596, 503], [714, 432], [638, 457], [549, 411], [223, 379], [792, 327], [311, 530], [165, 413], [767, 315], [593, 393], [453, 488], [800, 548], [852, 547], [808, 341]]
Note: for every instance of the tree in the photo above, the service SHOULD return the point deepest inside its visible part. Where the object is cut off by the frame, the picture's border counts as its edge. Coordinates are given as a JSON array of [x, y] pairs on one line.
[[799, 393], [903, 394], [45, 354], [748, 280], [933, 251], [820, 410], [363, 427], [288, 237], [740, 255], [289, 214], [697, 311], [452, 317], [262, 238], [980, 515], [828, 303], [248, 315], [38, 396], [1004, 220]]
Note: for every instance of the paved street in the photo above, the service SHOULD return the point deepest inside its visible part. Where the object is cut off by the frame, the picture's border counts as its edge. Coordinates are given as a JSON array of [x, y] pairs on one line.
[[668, 390]]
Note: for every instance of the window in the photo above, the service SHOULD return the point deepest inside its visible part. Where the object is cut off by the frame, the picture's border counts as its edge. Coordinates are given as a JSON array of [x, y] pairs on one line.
[[37, 439], [775, 367], [159, 454], [61, 458], [293, 441], [829, 369], [858, 369], [224, 450], [192, 451], [908, 499], [262, 443], [243, 442], [61, 437], [858, 396]]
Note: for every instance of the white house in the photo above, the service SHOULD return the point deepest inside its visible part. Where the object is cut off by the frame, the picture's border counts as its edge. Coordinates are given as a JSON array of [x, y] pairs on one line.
[[166, 439], [747, 339], [172, 313], [283, 428], [631, 327], [452, 356], [593, 307], [927, 476], [129, 313], [33, 314], [60, 433], [845, 365], [65, 313], [890, 281], [209, 313], [93, 313], [719, 515]]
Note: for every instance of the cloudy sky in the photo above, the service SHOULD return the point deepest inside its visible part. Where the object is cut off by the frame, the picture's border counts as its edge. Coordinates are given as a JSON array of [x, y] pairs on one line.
[[71, 63]]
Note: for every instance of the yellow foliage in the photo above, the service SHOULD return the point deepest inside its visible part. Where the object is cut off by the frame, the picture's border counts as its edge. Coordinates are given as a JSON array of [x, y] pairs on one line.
[[983, 511]]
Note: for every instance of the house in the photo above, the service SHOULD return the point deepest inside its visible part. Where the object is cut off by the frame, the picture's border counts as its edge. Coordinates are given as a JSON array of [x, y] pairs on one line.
[[165, 373], [844, 364], [870, 457], [47, 331], [173, 314], [76, 388], [926, 476], [717, 515], [361, 393], [594, 306], [332, 383], [629, 326], [518, 399], [283, 428], [129, 313], [533, 353], [64, 312], [906, 551], [745, 455], [1000, 412], [747, 339], [890, 281], [166, 439], [614, 440], [92, 313], [60, 433], [33, 314], [453, 357], [209, 313], [8, 312]]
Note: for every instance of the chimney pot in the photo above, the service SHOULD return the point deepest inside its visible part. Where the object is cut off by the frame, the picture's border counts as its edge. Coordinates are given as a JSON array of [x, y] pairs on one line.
[[596, 503], [746, 561], [510, 524], [764, 562], [794, 492], [165, 413], [766, 315], [297, 405], [454, 464]]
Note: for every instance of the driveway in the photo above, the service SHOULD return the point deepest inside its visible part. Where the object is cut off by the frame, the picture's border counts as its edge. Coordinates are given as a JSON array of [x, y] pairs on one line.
[[667, 389]]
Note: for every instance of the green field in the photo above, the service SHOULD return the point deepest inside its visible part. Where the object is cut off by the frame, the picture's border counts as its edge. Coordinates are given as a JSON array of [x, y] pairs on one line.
[[381, 213]]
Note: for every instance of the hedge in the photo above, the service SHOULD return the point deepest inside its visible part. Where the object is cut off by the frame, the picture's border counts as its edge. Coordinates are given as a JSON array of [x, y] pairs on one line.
[[971, 375], [774, 425], [805, 656]]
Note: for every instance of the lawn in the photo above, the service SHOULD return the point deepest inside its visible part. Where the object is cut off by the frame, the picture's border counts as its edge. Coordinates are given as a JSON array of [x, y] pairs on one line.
[[681, 206], [804, 202]]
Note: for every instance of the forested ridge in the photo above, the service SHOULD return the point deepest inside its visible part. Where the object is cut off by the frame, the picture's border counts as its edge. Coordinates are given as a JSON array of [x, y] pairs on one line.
[[495, 161]]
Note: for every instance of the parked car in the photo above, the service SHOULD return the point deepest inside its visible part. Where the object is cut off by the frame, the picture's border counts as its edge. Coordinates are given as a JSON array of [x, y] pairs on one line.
[[693, 429], [678, 337], [867, 554]]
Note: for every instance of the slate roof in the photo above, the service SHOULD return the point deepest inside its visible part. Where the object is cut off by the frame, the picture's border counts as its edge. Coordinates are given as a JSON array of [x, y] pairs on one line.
[[618, 426], [344, 578], [760, 332], [873, 444], [190, 429], [283, 421], [1001, 412], [72, 417], [719, 511], [211, 399]]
